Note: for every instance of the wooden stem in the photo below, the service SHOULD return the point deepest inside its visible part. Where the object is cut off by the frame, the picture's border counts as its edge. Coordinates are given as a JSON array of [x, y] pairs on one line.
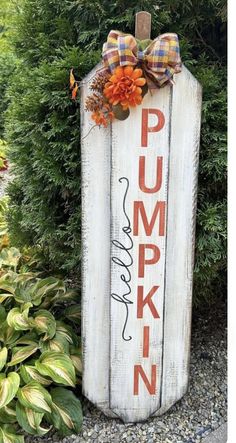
[[143, 25]]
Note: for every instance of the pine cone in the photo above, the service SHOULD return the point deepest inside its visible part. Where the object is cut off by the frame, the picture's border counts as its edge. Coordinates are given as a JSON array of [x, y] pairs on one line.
[[94, 102], [99, 81]]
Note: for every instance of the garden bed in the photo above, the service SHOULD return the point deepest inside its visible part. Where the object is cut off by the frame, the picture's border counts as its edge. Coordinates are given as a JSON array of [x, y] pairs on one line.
[[200, 412]]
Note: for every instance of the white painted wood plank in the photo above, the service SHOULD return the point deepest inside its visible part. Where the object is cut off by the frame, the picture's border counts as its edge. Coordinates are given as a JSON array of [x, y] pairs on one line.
[[95, 151], [125, 353], [182, 198]]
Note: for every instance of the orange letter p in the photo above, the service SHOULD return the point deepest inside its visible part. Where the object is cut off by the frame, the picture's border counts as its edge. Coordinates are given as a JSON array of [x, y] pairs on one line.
[[146, 128]]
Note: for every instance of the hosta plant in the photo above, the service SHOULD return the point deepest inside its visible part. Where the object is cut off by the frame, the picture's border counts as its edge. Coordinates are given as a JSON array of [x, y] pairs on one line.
[[10, 257], [39, 357], [4, 241], [3, 158]]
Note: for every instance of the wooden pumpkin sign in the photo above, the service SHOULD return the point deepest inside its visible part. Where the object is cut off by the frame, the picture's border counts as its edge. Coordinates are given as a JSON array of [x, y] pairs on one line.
[[139, 186]]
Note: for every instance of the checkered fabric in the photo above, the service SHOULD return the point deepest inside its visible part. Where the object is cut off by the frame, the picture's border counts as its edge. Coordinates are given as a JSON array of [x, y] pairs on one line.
[[161, 59]]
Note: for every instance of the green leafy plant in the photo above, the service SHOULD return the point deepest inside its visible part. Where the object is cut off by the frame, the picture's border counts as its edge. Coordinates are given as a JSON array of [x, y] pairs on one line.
[[4, 239], [3, 221], [28, 259], [40, 357]]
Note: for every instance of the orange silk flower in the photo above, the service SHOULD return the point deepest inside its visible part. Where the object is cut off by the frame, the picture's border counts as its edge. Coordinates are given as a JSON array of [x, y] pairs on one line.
[[99, 118], [102, 118], [124, 87]]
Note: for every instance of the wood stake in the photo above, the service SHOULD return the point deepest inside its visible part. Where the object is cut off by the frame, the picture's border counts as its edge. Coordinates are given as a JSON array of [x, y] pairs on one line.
[[143, 25]]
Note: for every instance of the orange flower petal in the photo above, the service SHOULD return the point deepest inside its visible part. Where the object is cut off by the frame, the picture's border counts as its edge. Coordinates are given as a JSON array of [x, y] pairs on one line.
[[138, 91], [140, 81], [128, 70], [114, 79], [137, 73], [119, 72], [124, 87], [107, 85]]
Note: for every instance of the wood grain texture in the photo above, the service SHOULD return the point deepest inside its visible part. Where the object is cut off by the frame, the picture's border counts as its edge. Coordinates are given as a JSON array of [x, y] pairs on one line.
[[108, 155], [95, 152], [143, 21], [182, 199], [126, 151]]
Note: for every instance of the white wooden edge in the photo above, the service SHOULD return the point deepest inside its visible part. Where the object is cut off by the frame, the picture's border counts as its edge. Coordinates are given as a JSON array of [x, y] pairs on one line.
[[95, 152]]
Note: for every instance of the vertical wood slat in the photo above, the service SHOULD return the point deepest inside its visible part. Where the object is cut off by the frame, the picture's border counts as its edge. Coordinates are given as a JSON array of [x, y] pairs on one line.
[[182, 199], [95, 152], [125, 354]]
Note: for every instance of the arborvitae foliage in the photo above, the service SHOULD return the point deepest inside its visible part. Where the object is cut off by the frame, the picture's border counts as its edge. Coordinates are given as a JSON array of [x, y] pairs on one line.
[[7, 57], [43, 123]]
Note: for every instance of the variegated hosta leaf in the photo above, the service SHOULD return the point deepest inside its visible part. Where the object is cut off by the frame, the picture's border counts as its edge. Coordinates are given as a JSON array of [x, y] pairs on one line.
[[3, 227], [8, 413], [44, 322], [8, 335], [67, 332], [3, 357], [27, 277], [73, 313], [4, 238], [58, 367], [19, 320], [30, 420], [8, 388], [77, 362], [3, 314], [7, 283], [3, 296], [21, 353], [35, 396], [61, 341], [45, 287], [30, 338], [67, 296], [4, 200], [29, 373], [66, 413], [58, 344], [22, 291], [8, 436], [10, 257]]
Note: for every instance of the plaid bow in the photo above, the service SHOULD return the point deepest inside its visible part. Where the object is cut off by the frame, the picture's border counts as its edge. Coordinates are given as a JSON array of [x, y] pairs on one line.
[[160, 60]]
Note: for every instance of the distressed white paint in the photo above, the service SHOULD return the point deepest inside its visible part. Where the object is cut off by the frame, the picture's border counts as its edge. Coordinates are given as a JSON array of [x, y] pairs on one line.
[[126, 149], [182, 199], [108, 360], [95, 150]]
